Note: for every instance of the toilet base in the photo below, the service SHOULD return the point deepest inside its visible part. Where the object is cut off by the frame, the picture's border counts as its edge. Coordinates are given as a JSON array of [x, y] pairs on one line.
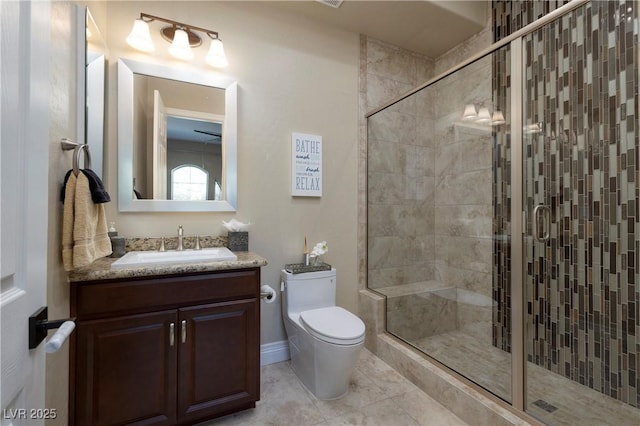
[[324, 399], [325, 369]]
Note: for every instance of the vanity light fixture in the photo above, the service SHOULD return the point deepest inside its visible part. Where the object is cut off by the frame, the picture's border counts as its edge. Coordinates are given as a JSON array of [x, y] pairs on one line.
[[182, 37]]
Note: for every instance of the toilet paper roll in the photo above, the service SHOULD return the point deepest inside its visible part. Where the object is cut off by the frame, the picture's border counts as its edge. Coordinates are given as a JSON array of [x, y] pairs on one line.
[[268, 293], [56, 341]]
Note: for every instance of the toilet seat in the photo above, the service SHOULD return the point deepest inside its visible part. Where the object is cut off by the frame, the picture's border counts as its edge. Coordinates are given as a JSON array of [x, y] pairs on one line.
[[333, 325]]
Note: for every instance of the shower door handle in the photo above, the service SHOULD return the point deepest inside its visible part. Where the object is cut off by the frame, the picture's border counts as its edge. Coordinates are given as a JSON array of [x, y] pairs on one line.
[[541, 218]]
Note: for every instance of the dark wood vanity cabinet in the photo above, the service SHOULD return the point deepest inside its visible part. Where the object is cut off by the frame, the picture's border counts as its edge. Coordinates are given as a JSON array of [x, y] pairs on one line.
[[126, 370], [165, 350]]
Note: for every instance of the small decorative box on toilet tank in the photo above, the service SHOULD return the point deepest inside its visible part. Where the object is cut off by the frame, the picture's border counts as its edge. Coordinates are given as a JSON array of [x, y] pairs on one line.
[[238, 241]]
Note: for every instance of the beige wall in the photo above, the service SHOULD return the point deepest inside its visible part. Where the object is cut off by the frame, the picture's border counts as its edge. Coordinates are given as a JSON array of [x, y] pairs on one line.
[[62, 123], [293, 76], [302, 83]]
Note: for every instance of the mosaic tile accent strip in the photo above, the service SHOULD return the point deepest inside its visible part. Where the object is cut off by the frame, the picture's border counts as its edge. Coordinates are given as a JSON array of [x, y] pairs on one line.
[[581, 87], [509, 16], [501, 267]]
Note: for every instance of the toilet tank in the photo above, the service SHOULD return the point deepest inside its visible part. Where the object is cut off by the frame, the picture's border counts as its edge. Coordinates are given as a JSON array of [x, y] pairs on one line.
[[308, 290]]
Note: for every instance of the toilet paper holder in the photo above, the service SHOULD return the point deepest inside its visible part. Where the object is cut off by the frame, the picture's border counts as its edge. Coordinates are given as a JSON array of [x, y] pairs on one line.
[[266, 295], [39, 325]]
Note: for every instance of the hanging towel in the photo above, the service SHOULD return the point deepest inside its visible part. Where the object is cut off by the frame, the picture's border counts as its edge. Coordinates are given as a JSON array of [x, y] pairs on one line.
[[84, 225], [98, 193]]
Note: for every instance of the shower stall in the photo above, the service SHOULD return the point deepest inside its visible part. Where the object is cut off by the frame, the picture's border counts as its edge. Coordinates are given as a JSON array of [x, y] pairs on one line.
[[503, 221]]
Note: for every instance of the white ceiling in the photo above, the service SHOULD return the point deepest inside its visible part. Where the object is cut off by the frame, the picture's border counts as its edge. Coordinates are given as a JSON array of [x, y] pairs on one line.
[[429, 27], [192, 130]]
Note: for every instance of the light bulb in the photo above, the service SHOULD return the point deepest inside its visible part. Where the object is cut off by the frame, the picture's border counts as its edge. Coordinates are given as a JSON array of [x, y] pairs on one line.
[[497, 118], [483, 115], [139, 38], [469, 112], [180, 47], [215, 56]]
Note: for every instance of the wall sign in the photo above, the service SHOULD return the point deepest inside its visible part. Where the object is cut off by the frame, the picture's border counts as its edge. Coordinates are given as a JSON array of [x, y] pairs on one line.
[[306, 165]]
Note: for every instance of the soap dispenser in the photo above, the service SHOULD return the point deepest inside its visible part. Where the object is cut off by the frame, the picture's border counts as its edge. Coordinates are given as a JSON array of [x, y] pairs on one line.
[[112, 230], [117, 243]]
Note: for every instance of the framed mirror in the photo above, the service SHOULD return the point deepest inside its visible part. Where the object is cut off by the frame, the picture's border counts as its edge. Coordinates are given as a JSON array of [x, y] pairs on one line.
[[177, 139], [92, 63]]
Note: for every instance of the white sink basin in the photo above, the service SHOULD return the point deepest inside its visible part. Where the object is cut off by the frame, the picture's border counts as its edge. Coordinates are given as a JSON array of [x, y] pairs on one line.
[[136, 259]]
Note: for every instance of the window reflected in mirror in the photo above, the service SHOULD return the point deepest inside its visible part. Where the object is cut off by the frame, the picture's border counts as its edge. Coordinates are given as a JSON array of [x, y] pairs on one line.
[[189, 183]]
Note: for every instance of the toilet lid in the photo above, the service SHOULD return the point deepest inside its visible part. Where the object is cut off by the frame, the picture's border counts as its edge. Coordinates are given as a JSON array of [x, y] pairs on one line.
[[334, 325]]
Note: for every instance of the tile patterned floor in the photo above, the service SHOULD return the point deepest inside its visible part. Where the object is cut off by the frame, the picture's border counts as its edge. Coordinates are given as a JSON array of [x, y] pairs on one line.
[[378, 396]]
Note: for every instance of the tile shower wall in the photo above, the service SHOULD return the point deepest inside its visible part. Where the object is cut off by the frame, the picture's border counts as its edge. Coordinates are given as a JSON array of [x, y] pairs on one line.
[[463, 155], [507, 16], [581, 83], [400, 167], [429, 213]]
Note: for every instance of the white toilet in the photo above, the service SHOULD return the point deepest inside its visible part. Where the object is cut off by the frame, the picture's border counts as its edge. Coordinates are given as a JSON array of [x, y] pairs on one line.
[[324, 339]]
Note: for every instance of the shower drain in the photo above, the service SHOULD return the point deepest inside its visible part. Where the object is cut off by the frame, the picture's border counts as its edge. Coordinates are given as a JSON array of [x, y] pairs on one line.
[[545, 406]]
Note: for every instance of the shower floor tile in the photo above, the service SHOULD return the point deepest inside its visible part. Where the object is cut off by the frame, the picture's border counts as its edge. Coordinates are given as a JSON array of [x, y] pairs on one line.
[[378, 395], [490, 367]]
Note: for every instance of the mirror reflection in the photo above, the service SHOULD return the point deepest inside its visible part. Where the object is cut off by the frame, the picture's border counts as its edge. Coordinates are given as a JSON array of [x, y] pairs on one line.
[[92, 113], [177, 140]]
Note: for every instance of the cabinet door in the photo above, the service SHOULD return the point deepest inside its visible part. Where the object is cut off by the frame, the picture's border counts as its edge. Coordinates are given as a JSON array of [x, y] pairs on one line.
[[219, 360], [126, 370]]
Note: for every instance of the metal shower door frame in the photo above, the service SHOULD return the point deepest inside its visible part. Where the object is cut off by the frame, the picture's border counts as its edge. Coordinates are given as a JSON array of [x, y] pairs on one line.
[[518, 213]]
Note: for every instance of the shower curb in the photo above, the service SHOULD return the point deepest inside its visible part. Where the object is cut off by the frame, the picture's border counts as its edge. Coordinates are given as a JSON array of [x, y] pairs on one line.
[[458, 397]]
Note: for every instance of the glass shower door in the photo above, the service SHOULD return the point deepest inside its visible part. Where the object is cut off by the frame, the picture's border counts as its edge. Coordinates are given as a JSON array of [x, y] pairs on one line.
[[435, 248], [580, 196]]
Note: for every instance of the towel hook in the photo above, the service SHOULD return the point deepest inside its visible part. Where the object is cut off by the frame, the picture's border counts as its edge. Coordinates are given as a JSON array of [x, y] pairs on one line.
[[76, 158], [68, 144]]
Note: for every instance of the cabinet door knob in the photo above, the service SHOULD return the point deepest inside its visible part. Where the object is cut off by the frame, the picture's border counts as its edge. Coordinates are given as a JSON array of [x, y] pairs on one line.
[[172, 333], [184, 331]]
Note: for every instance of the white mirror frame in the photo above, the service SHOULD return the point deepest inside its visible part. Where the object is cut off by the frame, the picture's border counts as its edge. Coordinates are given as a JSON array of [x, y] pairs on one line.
[[126, 202], [91, 74]]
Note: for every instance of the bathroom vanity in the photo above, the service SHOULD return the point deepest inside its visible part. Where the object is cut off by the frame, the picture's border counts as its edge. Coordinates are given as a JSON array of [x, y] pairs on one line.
[[165, 345]]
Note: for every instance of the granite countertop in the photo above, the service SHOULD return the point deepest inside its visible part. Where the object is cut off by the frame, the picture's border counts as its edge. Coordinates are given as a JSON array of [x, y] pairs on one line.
[[101, 268]]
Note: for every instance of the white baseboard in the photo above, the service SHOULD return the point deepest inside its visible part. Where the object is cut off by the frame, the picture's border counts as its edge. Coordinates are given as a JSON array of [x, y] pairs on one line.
[[270, 353]]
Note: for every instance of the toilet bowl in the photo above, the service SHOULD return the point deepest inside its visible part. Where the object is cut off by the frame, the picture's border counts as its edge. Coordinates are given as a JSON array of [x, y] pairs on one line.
[[324, 339]]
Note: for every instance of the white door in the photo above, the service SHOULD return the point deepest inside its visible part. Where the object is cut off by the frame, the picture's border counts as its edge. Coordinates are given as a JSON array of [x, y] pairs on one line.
[[24, 112], [159, 148]]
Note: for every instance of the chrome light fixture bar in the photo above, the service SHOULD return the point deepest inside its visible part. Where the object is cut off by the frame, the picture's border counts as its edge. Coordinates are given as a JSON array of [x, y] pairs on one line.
[[182, 37]]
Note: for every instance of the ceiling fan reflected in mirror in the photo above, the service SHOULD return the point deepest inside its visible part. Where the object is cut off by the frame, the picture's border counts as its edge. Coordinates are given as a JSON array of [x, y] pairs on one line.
[[217, 136]]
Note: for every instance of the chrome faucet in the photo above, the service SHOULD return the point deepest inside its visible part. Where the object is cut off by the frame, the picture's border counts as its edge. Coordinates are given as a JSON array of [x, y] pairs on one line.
[[180, 235]]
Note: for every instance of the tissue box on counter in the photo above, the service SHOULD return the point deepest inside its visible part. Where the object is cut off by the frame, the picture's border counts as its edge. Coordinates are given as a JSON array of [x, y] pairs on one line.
[[238, 240]]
